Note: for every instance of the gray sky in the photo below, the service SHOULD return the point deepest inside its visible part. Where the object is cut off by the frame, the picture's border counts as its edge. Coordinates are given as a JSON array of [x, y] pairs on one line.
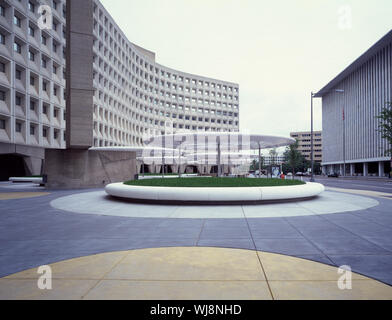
[[277, 51]]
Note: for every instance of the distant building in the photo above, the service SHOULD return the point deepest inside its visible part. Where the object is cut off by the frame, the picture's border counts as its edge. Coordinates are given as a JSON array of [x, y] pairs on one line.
[[268, 160], [304, 144], [351, 103]]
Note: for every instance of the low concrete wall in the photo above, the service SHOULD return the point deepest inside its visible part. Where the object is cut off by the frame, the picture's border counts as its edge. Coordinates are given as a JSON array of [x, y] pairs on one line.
[[215, 195], [73, 168]]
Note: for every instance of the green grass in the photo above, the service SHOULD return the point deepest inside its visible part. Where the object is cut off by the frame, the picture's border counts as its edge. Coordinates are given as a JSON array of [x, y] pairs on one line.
[[213, 182]]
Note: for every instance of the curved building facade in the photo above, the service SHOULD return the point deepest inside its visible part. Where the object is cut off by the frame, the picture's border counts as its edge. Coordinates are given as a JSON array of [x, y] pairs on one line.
[[82, 83], [136, 96]]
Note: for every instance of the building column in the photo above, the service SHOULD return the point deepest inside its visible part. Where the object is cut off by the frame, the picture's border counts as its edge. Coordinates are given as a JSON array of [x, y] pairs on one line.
[[138, 167], [365, 169], [381, 168], [352, 169], [341, 168]]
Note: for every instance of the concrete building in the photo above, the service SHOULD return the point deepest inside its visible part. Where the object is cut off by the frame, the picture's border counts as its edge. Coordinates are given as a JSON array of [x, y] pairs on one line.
[[32, 84], [135, 95], [350, 104], [304, 144], [109, 93]]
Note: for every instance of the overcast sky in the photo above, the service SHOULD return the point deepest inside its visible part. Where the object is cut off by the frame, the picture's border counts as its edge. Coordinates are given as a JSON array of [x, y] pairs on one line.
[[277, 51]]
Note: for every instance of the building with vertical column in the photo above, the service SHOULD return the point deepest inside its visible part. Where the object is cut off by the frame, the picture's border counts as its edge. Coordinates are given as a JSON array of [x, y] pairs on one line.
[[351, 103], [110, 92]]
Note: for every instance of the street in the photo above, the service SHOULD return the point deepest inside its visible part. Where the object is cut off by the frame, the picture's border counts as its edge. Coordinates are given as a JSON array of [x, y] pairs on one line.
[[381, 185]]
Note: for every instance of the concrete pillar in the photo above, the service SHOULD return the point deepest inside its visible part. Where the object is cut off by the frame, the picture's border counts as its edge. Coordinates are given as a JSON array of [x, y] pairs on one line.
[[365, 169], [33, 166], [352, 169], [324, 169], [79, 74], [381, 168], [341, 169], [72, 168]]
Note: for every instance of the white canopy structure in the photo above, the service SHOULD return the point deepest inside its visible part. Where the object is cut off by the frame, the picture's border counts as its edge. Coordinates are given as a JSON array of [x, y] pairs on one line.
[[216, 142], [147, 151]]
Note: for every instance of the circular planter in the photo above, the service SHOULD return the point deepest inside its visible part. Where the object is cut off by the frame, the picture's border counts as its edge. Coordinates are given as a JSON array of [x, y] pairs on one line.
[[213, 195]]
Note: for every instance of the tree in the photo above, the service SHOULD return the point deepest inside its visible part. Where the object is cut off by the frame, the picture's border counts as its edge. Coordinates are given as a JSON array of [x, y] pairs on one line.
[[385, 127], [273, 156], [255, 164], [293, 158]]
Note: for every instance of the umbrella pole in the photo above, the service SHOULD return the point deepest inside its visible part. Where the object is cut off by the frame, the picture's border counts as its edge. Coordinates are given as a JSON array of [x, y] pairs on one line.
[[179, 163], [219, 160], [259, 161]]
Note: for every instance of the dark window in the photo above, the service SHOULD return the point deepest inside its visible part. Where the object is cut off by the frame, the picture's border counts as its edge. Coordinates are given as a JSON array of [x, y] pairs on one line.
[[31, 6], [17, 21], [31, 31], [18, 74], [18, 127], [17, 47], [32, 130], [31, 56]]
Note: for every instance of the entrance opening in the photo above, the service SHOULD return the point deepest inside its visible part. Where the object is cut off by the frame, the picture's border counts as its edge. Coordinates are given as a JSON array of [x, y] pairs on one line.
[[144, 168], [359, 168], [168, 169], [373, 168], [191, 169], [11, 166]]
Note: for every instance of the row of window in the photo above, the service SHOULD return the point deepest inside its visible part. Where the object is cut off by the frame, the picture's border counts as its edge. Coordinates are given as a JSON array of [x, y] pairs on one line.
[[18, 17], [33, 128], [45, 88]]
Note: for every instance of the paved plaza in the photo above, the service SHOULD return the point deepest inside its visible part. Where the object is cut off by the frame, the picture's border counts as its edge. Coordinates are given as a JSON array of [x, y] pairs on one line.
[[271, 251]]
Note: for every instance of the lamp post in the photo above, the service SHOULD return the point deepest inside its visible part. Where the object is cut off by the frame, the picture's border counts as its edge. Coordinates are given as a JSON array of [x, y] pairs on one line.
[[311, 137]]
